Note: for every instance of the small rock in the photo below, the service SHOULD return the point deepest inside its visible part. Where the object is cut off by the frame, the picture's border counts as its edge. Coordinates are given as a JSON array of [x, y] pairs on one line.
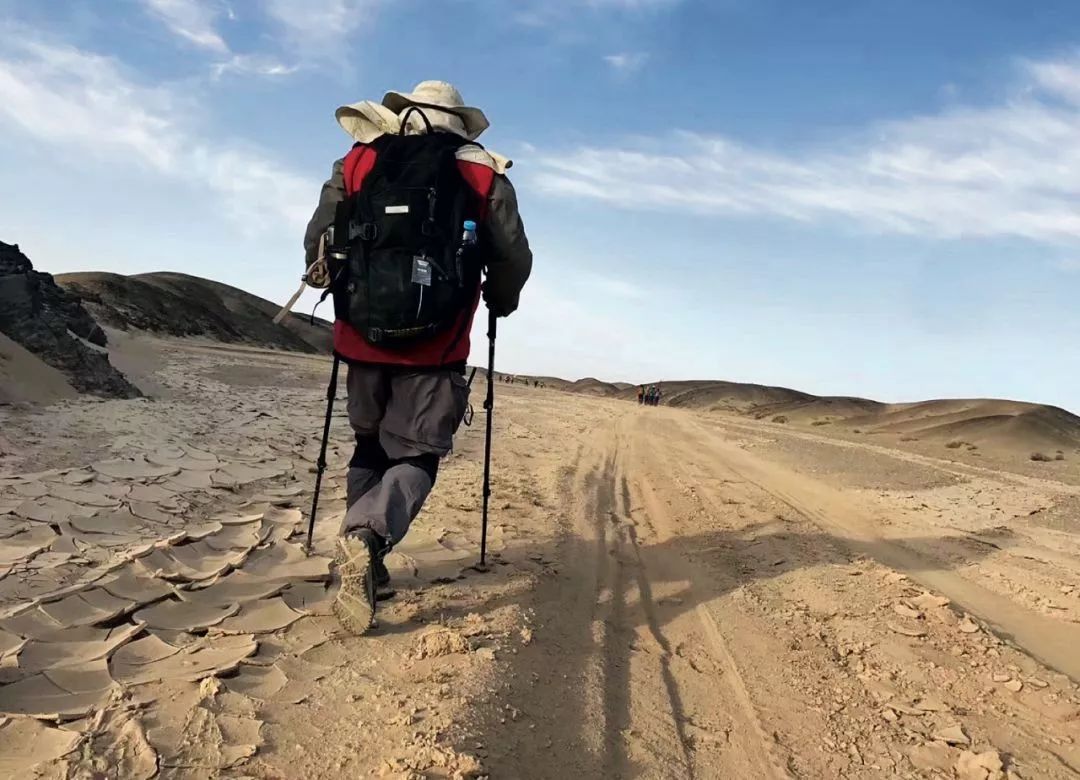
[[968, 626], [952, 735], [440, 642], [1014, 685], [979, 766], [485, 654], [903, 610], [526, 636], [929, 601], [932, 704], [931, 756], [1001, 677], [1035, 682]]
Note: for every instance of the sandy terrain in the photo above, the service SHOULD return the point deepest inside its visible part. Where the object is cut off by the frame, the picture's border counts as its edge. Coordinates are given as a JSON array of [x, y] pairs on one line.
[[675, 594]]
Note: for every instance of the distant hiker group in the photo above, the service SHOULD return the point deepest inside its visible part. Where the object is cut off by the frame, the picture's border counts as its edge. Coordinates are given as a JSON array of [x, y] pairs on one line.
[[510, 379], [414, 225], [650, 395]]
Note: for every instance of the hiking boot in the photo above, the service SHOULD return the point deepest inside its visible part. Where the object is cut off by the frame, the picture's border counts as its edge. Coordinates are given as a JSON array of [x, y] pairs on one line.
[[356, 557]]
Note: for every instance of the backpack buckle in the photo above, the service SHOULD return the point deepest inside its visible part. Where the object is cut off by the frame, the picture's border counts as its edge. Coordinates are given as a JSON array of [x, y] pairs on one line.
[[427, 228], [369, 231]]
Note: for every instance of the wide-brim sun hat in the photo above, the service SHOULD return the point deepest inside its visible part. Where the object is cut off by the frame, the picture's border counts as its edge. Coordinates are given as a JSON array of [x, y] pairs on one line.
[[441, 96], [367, 120]]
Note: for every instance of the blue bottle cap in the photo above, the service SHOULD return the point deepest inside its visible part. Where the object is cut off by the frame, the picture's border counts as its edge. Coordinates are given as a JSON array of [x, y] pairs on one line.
[[470, 225]]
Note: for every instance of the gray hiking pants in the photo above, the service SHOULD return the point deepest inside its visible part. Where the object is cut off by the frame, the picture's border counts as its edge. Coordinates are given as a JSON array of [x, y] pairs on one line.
[[404, 420]]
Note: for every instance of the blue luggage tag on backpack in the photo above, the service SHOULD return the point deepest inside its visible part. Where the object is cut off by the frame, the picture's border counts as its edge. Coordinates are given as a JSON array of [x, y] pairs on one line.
[[421, 271]]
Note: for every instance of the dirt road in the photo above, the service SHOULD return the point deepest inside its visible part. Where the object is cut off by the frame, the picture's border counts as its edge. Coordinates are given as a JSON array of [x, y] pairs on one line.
[[673, 595]]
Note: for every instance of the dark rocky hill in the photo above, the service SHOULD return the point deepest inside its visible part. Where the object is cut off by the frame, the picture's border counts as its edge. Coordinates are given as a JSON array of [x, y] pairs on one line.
[[52, 324]]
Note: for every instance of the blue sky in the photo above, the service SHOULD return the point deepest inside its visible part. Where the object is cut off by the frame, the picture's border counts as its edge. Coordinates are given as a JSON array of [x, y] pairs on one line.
[[850, 196]]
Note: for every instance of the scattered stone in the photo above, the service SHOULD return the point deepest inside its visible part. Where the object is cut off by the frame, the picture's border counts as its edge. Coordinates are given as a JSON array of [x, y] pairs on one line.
[[440, 642], [1001, 677], [930, 756], [968, 626], [1015, 686], [979, 766], [903, 610], [929, 601], [1035, 682], [952, 735]]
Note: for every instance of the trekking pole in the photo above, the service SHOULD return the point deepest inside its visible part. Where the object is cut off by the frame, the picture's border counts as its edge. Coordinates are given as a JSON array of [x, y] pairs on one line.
[[320, 465], [489, 405]]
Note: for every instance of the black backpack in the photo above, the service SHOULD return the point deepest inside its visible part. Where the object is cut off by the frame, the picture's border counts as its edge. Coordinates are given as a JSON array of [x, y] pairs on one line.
[[399, 268]]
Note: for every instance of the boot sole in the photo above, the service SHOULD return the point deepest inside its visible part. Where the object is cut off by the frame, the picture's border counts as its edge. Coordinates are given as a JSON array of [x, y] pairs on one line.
[[354, 604]]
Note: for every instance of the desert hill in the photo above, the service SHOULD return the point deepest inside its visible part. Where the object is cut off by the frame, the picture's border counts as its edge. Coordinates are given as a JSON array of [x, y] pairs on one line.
[[971, 423], [176, 304]]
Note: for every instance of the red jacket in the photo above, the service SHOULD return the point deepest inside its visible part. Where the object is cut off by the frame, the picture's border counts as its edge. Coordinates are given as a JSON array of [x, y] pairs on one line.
[[450, 346]]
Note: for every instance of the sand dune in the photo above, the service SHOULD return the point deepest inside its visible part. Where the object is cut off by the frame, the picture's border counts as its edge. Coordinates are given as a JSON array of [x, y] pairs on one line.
[[25, 378], [1014, 426]]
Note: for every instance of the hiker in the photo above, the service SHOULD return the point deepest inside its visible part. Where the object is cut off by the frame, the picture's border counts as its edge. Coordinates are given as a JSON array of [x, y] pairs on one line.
[[641, 395], [419, 206], [657, 396]]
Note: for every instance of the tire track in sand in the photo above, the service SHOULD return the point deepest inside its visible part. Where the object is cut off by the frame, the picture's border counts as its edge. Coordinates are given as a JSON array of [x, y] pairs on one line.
[[748, 750], [1050, 642]]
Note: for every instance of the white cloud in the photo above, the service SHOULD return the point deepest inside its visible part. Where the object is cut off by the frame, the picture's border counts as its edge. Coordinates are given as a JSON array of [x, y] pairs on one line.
[[195, 21], [1011, 169], [321, 28], [1058, 77], [192, 20], [253, 65], [1069, 264], [84, 103], [627, 62]]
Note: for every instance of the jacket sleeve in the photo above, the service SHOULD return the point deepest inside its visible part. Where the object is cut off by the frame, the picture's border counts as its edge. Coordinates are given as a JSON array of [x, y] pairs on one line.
[[333, 192], [510, 259]]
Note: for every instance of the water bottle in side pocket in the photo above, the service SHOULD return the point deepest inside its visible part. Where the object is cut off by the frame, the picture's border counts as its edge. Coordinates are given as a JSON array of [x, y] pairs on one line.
[[468, 239]]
